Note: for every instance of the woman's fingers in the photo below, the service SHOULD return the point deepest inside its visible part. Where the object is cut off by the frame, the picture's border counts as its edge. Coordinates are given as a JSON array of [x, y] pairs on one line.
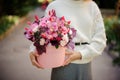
[[67, 61], [68, 53], [34, 61], [68, 58], [36, 54]]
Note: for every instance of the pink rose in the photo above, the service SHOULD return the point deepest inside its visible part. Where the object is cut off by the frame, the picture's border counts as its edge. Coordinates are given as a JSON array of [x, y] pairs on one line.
[[49, 36], [34, 27], [43, 24], [54, 34], [65, 30], [44, 35], [54, 26]]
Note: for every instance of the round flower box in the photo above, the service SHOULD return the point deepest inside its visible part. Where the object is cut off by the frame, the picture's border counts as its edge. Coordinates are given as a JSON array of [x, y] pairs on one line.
[[52, 58]]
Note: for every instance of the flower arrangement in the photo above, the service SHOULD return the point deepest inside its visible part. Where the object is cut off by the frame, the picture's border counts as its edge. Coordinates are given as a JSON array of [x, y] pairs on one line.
[[50, 30]]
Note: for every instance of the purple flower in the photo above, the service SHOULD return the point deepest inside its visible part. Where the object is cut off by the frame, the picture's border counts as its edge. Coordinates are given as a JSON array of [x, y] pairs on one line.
[[73, 32], [71, 45]]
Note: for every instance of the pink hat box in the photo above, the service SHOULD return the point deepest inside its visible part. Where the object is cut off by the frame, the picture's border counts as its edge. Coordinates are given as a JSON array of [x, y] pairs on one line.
[[52, 58]]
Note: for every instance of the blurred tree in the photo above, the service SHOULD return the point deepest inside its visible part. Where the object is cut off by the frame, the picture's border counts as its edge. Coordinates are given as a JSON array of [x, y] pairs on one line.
[[108, 4], [118, 8], [1, 7], [16, 7]]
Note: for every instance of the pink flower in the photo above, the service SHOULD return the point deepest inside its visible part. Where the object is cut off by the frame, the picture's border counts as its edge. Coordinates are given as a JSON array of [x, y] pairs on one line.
[[55, 34], [52, 13], [59, 38], [62, 18], [54, 26], [36, 18], [43, 35], [52, 19], [27, 36], [65, 30], [49, 37], [68, 22], [43, 24], [34, 27]]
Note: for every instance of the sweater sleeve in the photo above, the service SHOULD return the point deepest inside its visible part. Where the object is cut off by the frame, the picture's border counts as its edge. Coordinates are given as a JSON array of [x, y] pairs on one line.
[[98, 42], [32, 48]]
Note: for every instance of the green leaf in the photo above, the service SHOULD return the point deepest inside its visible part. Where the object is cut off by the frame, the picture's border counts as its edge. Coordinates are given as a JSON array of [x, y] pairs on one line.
[[57, 46]]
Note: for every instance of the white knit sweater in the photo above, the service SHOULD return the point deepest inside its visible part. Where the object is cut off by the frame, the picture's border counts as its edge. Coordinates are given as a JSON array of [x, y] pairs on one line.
[[86, 18]]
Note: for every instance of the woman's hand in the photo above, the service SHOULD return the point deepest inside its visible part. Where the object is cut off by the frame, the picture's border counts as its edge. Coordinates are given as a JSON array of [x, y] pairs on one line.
[[33, 57], [71, 56]]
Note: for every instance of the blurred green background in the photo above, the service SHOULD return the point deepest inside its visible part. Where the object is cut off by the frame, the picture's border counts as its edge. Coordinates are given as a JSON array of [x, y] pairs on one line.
[[12, 10]]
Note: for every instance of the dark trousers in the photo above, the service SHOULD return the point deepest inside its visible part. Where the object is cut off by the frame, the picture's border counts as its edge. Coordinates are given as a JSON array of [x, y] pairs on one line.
[[72, 72]]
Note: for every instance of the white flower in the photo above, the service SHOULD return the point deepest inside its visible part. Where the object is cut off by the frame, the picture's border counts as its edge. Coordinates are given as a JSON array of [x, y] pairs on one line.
[[70, 32], [65, 38], [63, 43], [42, 41]]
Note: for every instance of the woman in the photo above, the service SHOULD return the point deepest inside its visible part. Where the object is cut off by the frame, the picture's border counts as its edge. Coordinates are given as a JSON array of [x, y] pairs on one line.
[[90, 40]]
